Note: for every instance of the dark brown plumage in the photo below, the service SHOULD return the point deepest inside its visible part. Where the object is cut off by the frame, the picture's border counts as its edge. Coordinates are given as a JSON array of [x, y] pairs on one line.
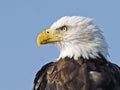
[[81, 74]]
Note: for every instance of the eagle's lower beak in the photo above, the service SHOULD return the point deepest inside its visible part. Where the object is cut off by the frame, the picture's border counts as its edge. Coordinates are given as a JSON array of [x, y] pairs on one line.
[[47, 36]]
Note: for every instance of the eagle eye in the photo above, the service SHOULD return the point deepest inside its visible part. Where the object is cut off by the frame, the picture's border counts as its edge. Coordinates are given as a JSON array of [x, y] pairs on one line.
[[64, 28]]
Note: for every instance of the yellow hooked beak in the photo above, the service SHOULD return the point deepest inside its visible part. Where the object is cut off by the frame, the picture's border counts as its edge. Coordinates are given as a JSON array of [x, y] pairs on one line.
[[48, 36]]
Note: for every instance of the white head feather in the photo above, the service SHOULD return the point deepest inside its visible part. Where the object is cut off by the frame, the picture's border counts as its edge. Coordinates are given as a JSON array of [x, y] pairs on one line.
[[82, 39]]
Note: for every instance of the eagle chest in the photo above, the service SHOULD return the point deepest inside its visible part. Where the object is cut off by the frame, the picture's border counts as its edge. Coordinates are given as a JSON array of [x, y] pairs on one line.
[[69, 74]]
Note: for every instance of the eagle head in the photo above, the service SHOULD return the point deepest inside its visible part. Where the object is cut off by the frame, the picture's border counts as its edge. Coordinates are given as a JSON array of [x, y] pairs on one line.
[[75, 36]]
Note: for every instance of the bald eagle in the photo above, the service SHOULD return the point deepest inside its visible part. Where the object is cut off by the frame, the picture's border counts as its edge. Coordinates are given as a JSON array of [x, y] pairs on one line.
[[82, 63]]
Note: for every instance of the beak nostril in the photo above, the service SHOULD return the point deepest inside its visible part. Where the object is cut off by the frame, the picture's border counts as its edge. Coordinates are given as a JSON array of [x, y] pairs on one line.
[[47, 32]]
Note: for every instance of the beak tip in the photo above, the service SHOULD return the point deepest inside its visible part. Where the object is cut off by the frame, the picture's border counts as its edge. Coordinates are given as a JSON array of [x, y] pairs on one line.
[[38, 45], [38, 42]]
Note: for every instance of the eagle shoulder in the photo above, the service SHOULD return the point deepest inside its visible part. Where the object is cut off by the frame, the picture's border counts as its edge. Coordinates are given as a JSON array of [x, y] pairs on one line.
[[40, 79]]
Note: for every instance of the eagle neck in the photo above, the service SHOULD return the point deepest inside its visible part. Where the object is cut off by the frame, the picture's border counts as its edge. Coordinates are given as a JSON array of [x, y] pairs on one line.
[[76, 51]]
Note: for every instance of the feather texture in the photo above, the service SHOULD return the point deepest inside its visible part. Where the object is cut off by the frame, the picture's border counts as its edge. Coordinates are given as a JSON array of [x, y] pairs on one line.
[[81, 74]]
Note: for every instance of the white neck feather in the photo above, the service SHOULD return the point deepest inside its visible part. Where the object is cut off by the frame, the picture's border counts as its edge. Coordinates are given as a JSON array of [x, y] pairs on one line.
[[83, 39]]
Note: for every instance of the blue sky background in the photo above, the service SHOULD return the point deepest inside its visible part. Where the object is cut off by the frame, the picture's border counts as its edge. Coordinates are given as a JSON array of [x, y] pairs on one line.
[[22, 20]]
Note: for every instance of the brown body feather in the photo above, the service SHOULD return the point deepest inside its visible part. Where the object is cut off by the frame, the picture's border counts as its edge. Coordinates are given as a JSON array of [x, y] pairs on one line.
[[81, 74]]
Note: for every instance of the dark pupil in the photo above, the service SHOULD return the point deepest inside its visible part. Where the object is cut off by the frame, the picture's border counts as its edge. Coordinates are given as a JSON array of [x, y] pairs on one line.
[[63, 28]]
